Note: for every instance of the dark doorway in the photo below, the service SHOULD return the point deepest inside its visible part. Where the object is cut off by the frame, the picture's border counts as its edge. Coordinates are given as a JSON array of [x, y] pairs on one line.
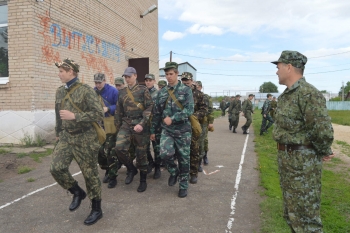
[[142, 68]]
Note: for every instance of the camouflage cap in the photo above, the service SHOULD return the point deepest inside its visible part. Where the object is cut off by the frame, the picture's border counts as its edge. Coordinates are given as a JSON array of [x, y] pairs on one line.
[[99, 77], [150, 76], [170, 65], [119, 81], [294, 58], [68, 63], [187, 75], [162, 83], [199, 83]]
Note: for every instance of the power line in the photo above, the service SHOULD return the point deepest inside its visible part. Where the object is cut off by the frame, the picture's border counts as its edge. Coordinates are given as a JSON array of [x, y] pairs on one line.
[[218, 59], [164, 55]]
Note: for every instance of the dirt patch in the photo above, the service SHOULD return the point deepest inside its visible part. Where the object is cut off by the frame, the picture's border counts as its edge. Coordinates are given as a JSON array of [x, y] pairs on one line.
[[10, 163], [341, 133]]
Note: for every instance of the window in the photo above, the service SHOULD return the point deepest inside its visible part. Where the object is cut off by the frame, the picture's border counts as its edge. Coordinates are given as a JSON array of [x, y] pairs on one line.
[[4, 61]]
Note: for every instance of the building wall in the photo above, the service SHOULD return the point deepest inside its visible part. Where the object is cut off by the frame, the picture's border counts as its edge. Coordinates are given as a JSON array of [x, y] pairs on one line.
[[100, 35]]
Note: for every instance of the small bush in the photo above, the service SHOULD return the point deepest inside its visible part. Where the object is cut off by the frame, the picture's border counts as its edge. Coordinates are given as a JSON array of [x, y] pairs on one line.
[[30, 180], [30, 141], [3, 151], [24, 169]]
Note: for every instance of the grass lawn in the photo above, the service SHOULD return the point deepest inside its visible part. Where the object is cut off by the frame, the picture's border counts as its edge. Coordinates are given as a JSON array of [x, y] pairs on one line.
[[340, 117], [335, 206]]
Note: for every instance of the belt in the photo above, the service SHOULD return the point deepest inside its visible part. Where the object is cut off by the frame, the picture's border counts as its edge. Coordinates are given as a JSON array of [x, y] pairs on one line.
[[293, 147], [77, 131], [179, 122], [134, 118]]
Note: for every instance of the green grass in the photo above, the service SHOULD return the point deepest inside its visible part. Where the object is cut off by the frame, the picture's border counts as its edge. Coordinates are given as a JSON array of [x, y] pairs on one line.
[[3, 151], [21, 155], [345, 147], [335, 206], [30, 141], [217, 113], [30, 180], [340, 117], [23, 169], [37, 156], [1, 181]]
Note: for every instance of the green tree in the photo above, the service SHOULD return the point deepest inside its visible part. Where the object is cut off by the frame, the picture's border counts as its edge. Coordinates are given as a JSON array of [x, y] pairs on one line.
[[346, 90], [268, 87]]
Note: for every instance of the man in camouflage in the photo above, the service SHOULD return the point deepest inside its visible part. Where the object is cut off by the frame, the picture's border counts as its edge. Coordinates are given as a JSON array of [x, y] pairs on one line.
[[234, 110], [228, 104], [207, 124], [176, 127], [247, 109], [76, 107], [161, 84], [223, 107], [273, 107], [150, 81], [132, 118], [200, 111], [304, 135], [265, 112], [119, 83]]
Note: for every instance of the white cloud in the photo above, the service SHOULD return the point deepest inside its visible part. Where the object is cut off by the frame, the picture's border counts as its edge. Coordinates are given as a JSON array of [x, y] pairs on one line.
[[170, 35], [198, 29]]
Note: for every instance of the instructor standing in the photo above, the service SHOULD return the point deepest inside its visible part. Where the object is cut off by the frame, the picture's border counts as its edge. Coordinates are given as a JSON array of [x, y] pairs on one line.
[[304, 135]]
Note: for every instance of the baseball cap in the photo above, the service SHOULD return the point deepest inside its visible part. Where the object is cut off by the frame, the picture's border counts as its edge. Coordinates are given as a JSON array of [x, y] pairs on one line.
[[129, 71], [294, 58], [68, 63], [119, 81], [99, 77], [170, 65]]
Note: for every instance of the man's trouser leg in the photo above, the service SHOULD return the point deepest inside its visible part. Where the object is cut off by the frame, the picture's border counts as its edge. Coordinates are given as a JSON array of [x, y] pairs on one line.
[[111, 156], [206, 142], [156, 149], [194, 157], [202, 137], [300, 179], [235, 119], [263, 124], [270, 120], [167, 151], [248, 116], [86, 158]]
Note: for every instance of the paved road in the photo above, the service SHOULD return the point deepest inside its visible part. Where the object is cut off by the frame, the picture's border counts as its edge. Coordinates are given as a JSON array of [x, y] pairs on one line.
[[225, 199]]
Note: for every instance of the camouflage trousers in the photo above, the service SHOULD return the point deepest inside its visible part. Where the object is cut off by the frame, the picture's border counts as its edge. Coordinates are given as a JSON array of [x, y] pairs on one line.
[[235, 120], [230, 119], [156, 150], [179, 143], [300, 180], [86, 157], [222, 112], [266, 119], [201, 141], [248, 116], [194, 157], [127, 137], [107, 158], [206, 142]]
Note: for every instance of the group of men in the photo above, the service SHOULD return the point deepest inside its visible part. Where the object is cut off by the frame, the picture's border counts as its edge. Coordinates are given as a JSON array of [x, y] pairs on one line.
[[132, 116]]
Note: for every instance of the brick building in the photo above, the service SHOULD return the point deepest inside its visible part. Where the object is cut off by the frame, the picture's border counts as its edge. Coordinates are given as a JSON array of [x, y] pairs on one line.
[[101, 35]]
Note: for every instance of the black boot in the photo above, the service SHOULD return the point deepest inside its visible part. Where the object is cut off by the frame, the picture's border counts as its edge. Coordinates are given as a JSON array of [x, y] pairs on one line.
[[230, 127], [150, 166], [182, 193], [205, 159], [143, 185], [193, 179], [200, 169], [234, 130], [132, 171], [173, 179], [95, 214], [78, 195], [157, 172], [106, 178], [112, 183]]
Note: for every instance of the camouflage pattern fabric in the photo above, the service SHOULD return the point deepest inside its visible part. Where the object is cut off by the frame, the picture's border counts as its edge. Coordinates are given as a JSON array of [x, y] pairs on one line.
[[206, 142], [209, 119], [223, 108], [128, 115], [247, 109], [82, 147], [200, 111], [234, 110], [106, 156], [302, 119], [294, 58], [273, 108], [177, 136], [266, 111], [155, 144]]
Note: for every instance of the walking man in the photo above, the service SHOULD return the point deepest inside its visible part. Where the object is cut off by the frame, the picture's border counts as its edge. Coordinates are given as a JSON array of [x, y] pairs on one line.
[[235, 109], [265, 112], [77, 106], [174, 105], [304, 135], [132, 118], [247, 110]]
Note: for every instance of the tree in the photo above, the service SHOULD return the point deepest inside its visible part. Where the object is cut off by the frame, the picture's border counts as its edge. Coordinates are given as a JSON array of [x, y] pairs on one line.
[[268, 87], [324, 91], [346, 90]]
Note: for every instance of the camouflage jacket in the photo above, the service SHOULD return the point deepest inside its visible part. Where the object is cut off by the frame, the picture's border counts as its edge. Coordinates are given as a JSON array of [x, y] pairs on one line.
[[128, 112], [85, 98], [210, 114], [200, 107], [273, 105], [247, 106], [266, 107], [235, 107], [302, 118], [222, 105], [153, 91], [165, 106]]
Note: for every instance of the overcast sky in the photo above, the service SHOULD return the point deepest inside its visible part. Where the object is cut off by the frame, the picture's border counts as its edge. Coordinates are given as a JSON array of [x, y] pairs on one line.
[[214, 36]]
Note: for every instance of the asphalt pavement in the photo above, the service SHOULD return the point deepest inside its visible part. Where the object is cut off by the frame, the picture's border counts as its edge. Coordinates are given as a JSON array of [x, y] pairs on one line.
[[225, 199]]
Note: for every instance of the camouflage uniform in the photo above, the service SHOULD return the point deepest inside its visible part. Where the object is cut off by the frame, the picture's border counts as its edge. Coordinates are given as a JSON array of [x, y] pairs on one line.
[[127, 116], [273, 108], [234, 110], [222, 107], [266, 111], [208, 119], [77, 138], [247, 109], [177, 136], [301, 120]]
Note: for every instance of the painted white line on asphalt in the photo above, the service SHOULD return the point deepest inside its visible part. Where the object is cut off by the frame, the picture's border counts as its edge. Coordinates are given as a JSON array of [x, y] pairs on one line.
[[238, 179], [29, 194]]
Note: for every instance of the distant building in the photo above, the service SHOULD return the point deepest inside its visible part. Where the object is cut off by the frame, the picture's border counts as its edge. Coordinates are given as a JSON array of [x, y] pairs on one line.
[[183, 67]]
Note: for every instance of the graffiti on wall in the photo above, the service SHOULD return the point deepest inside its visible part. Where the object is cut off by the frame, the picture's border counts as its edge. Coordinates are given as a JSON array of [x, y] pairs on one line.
[[94, 51]]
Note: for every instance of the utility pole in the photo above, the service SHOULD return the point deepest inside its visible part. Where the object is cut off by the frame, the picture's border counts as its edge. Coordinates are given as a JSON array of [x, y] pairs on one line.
[[171, 56], [342, 92]]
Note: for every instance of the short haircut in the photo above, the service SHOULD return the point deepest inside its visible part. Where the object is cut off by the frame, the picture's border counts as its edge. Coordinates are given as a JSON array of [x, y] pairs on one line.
[[174, 69], [68, 68], [298, 70]]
